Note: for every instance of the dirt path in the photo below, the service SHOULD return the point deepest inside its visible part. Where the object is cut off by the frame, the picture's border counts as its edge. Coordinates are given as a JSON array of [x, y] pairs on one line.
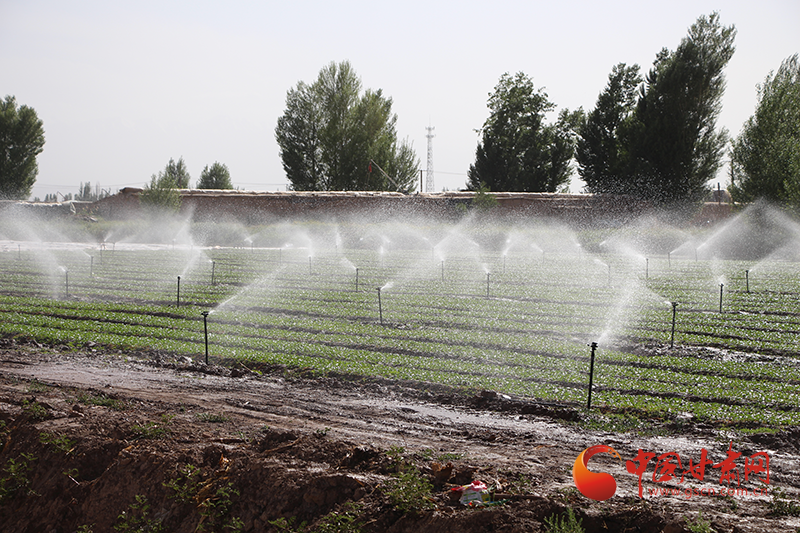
[[323, 442]]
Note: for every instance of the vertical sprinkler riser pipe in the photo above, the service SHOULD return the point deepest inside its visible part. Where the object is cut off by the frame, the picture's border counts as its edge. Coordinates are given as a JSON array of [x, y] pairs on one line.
[[205, 330], [178, 297], [356, 279], [674, 314], [213, 269], [591, 375], [380, 306], [721, 285], [747, 280]]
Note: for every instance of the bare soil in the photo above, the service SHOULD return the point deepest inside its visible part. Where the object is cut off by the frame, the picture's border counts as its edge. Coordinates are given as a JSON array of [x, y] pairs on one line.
[[92, 440]]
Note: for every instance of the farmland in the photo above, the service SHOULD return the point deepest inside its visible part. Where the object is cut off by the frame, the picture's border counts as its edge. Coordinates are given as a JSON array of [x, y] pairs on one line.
[[506, 309]]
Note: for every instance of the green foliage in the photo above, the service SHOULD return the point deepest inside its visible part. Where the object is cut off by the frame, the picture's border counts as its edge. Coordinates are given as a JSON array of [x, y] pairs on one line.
[[602, 160], [101, 400], [34, 410], [186, 484], [213, 418], [782, 505], [154, 430], [568, 523], [62, 443], [15, 481], [518, 151], [21, 140], [330, 132], [766, 156], [699, 524], [160, 196], [135, 518], [668, 147], [214, 511], [282, 524], [484, 200], [409, 491], [345, 520], [215, 177]]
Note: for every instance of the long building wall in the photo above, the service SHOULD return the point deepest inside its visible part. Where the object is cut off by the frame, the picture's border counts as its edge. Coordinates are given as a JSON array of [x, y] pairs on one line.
[[263, 207]]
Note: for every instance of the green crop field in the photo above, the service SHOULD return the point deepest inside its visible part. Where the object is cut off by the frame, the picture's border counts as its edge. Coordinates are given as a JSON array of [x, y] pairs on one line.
[[515, 318]]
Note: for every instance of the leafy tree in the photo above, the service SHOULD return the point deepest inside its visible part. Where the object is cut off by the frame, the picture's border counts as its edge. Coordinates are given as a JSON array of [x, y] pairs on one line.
[[518, 151], [330, 133], [603, 160], [161, 194], [215, 177], [21, 140], [178, 173], [765, 158], [675, 145], [668, 147]]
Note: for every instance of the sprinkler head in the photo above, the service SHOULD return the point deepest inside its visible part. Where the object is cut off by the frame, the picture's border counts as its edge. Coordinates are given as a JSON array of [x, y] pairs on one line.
[[204, 313]]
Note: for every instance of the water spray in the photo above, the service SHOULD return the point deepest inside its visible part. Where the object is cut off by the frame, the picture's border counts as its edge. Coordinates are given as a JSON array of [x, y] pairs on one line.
[[178, 298], [205, 329], [19, 252], [442, 270], [309, 265], [674, 313], [747, 280], [380, 307], [91, 266], [609, 274], [721, 285], [591, 375], [66, 282]]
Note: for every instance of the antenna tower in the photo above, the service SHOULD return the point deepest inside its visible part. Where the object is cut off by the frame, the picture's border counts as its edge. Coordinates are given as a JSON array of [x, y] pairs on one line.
[[429, 173]]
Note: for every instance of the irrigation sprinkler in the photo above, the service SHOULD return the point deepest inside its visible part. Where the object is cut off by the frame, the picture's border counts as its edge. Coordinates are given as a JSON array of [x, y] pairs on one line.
[[213, 268], [309, 265], [747, 280], [442, 270], [647, 268], [178, 298], [66, 282], [721, 285], [609, 274], [356, 279], [205, 329], [487, 284], [91, 266], [669, 259], [591, 375], [674, 313], [380, 307]]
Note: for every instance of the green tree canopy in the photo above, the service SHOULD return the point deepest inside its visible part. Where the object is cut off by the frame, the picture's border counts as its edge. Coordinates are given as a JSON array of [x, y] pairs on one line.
[[330, 132], [603, 159], [765, 158], [517, 150], [21, 140], [217, 176], [161, 194], [669, 147]]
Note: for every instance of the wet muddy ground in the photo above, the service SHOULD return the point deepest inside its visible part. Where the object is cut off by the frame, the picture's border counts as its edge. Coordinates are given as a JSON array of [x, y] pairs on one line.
[[93, 441]]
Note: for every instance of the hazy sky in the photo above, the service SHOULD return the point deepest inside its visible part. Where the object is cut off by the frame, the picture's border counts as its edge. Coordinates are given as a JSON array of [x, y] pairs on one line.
[[122, 87]]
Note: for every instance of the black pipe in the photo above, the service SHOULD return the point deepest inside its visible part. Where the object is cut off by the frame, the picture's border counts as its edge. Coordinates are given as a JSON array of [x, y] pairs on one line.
[[380, 307], [213, 268], [205, 329], [721, 285], [356, 279], [747, 279], [178, 298], [674, 313], [591, 376]]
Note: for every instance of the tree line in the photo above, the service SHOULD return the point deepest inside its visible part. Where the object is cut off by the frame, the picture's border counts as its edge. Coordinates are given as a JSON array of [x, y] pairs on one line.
[[650, 135]]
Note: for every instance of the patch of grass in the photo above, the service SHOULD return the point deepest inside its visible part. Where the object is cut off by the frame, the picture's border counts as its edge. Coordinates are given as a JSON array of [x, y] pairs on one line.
[[212, 418], [101, 400], [345, 520], [699, 524], [445, 457], [62, 443], [410, 492], [135, 518], [782, 505], [287, 525], [567, 523], [34, 410], [16, 480], [154, 430], [37, 386]]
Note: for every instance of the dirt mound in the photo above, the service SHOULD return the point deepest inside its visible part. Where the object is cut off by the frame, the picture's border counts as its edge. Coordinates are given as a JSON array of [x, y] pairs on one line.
[[99, 442]]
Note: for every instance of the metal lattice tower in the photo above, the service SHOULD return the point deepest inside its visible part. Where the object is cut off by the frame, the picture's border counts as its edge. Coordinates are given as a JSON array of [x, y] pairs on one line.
[[429, 173]]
